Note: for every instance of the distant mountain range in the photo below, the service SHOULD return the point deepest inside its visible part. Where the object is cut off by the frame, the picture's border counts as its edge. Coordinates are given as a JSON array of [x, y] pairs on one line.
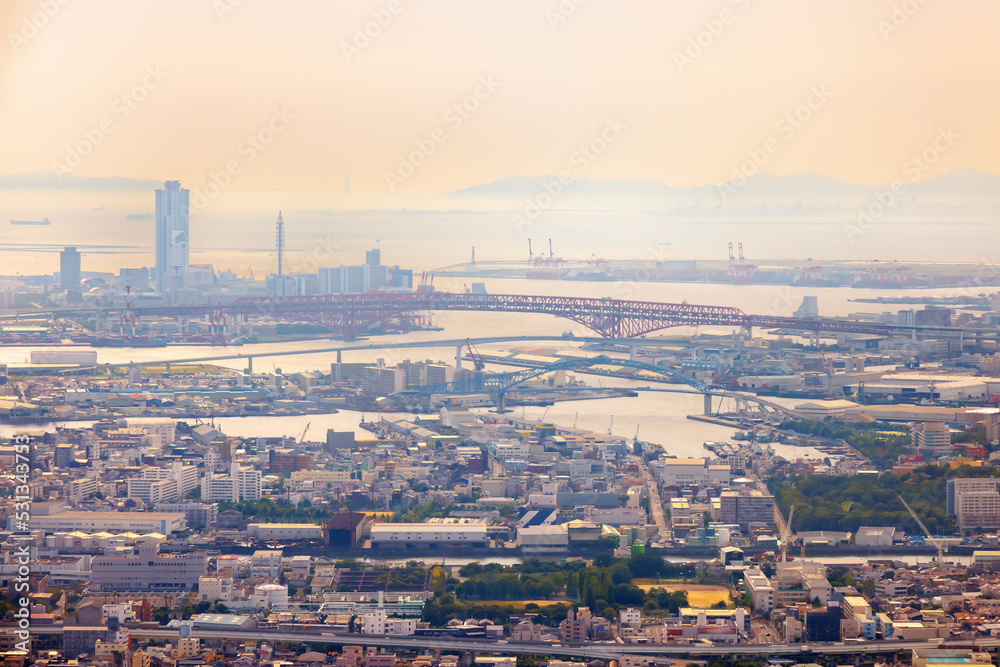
[[47, 180], [961, 187], [969, 188]]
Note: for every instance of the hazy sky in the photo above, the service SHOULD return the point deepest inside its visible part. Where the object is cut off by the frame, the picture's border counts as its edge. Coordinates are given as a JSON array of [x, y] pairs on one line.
[[200, 76]]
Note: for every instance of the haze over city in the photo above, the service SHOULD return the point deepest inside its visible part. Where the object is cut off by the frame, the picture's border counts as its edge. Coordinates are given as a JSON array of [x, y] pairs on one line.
[[507, 333]]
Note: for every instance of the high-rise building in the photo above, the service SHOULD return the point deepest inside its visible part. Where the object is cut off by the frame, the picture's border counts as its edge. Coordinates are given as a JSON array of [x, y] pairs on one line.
[[746, 506], [172, 207], [69, 270]]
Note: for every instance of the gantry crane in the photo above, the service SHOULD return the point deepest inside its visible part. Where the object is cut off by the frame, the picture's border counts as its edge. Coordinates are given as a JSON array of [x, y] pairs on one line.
[[937, 543]]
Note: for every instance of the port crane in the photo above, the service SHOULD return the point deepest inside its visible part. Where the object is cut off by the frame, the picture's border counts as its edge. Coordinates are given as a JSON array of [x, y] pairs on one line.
[[478, 363], [828, 369], [937, 543], [786, 532]]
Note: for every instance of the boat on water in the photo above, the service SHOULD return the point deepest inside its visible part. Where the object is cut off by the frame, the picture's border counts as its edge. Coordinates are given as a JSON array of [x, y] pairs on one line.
[[31, 222], [128, 341]]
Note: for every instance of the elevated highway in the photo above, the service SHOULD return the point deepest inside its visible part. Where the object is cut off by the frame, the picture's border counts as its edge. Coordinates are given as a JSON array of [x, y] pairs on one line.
[[604, 651]]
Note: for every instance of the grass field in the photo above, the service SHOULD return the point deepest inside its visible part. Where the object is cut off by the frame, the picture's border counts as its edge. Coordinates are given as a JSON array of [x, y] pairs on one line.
[[699, 595]]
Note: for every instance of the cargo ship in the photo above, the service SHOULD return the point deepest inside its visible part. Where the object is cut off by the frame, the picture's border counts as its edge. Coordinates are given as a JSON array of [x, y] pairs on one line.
[[31, 222], [127, 341], [543, 274]]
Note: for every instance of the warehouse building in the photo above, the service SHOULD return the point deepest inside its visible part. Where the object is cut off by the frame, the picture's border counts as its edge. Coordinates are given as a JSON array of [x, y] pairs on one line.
[[165, 523], [410, 535], [284, 532]]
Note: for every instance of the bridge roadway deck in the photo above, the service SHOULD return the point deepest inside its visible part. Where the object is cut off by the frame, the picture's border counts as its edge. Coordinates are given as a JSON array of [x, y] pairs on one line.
[[388, 344], [351, 314], [604, 651]]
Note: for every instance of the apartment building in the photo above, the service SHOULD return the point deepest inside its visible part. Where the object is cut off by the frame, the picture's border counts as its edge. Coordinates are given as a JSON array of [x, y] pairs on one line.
[[164, 484], [240, 484], [746, 506]]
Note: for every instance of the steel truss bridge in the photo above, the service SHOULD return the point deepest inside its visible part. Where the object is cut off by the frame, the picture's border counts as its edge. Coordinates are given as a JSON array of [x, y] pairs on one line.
[[499, 385], [351, 314]]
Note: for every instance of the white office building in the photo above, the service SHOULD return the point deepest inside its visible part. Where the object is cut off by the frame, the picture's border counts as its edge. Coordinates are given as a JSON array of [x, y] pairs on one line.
[[144, 568], [240, 484], [172, 208], [378, 623], [166, 484]]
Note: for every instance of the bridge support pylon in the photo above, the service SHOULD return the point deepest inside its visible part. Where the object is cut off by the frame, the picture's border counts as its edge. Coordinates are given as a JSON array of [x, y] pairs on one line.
[[250, 364], [458, 358], [708, 404]]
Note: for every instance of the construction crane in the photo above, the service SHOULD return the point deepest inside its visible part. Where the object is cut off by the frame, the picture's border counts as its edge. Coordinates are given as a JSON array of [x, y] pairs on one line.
[[478, 363], [828, 369], [786, 532], [937, 543], [387, 285], [304, 431]]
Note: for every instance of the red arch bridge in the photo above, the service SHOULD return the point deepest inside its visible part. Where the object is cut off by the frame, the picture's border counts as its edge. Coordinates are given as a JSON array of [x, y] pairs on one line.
[[351, 314]]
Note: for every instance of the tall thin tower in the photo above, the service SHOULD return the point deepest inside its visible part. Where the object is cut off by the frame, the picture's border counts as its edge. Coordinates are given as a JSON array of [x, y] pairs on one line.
[[279, 236], [172, 215]]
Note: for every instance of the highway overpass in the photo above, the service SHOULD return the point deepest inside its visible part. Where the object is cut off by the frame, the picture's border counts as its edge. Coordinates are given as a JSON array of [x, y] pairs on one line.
[[601, 650]]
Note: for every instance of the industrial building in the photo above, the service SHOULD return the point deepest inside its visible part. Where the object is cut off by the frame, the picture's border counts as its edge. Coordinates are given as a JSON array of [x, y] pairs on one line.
[[285, 532], [165, 523], [144, 568], [402, 535]]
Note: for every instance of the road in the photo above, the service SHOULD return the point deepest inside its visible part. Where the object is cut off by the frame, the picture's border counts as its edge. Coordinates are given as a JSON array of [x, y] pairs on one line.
[[390, 343], [656, 506], [606, 651]]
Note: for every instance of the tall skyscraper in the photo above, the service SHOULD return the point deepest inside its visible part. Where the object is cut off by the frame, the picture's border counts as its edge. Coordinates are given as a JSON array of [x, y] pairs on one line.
[[171, 237], [69, 270]]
